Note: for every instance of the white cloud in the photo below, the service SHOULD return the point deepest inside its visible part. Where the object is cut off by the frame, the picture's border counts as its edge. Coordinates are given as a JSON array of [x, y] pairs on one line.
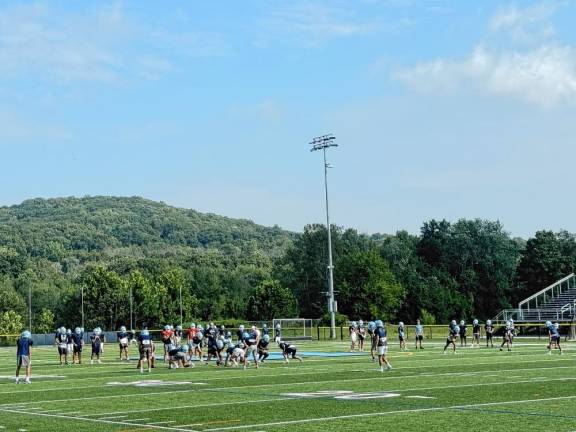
[[528, 24], [104, 44], [545, 76], [313, 24], [542, 74]]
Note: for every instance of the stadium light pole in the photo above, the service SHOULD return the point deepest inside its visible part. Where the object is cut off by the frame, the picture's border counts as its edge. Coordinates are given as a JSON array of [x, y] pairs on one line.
[[82, 303], [322, 143], [30, 307]]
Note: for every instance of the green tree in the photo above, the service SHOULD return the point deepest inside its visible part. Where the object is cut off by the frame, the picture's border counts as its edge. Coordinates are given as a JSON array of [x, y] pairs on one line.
[[271, 300], [11, 323], [45, 322], [368, 288]]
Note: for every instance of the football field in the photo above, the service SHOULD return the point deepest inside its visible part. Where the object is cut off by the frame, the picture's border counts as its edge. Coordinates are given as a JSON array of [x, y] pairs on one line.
[[474, 390]]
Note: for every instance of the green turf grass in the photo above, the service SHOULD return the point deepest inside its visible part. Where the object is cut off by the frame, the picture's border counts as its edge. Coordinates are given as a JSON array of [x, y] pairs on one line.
[[475, 390]]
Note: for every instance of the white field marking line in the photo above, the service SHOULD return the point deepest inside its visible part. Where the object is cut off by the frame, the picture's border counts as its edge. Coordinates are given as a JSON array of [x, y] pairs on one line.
[[283, 385], [131, 420], [343, 371], [196, 406], [112, 417], [383, 413], [161, 422], [124, 423], [280, 399]]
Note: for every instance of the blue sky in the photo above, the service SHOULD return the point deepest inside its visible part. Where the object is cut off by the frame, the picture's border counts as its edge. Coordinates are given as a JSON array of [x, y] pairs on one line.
[[442, 109]]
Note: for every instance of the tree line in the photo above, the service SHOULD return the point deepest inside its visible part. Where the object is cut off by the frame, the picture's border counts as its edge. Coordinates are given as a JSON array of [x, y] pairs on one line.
[[115, 251]]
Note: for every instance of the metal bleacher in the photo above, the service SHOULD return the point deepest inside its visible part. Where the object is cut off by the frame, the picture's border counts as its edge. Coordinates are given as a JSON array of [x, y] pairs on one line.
[[556, 302]]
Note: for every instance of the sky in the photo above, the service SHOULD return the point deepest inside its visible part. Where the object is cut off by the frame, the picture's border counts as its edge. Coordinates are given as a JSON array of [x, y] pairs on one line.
[[441, 109]]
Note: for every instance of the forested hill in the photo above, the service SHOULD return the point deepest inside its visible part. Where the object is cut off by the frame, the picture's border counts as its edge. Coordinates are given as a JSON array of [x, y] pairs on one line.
[[55, 228]]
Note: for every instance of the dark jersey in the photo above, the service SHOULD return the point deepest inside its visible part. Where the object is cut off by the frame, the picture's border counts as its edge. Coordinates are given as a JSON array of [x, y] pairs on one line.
[[263, 345], [77, 339], [489, 329], [277, 332], [251, 339], [23, 346], [476, 329], [463, 330], [380, 334]]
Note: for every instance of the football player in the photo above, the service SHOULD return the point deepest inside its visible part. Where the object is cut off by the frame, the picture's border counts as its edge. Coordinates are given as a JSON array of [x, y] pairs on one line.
[[289, 350], [263, 348], [463, 334], [78, 344], [475, 333], [277, 333], [24, 356], [146, 350], [361, 335], [554, 337], [69, 342], [382, 345], [489, 330], [167, 339], [353, 332], [453, 331], [250, 345], [419, 330], [196, 344], [97, 338], [372, 335], [123, 339], [178, 333], [265, 330], [507, 336], [61, 341], [402, 336]]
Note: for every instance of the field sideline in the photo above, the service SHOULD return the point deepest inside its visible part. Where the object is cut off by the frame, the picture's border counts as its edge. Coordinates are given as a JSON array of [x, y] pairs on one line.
[[476, 390]]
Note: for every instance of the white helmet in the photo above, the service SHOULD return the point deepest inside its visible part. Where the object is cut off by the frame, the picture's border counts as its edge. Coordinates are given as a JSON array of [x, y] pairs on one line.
[[241, 327], [548, 323], [462, 323], [278, 325], [475, 322], [361, 322], [400, 324], [453, 322], [489, 322], [123, 329]]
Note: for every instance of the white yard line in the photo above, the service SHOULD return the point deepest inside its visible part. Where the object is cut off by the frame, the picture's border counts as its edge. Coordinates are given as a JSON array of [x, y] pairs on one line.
[[124, 423], [529, 381], [384, 413]]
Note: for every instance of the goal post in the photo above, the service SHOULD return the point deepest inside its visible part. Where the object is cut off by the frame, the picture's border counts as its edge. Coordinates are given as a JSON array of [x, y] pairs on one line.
[[294, 327]]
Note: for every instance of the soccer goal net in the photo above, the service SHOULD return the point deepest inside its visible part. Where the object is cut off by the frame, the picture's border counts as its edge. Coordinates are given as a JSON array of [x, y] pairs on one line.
[[294, 327]]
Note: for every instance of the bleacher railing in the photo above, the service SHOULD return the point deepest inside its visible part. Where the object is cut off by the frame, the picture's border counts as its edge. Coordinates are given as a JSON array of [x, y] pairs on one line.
[[539, 300]]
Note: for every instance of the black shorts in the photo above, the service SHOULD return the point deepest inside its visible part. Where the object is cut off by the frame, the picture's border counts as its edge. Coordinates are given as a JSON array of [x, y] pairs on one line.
[[291, 352], [360, 336], [77, 349], [62, 351], [419, 337], [401, 338], [145, 353]]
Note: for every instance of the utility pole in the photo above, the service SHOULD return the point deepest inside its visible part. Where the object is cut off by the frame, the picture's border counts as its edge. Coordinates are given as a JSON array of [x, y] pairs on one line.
[[30, 306], [82, 304], [322, 143]]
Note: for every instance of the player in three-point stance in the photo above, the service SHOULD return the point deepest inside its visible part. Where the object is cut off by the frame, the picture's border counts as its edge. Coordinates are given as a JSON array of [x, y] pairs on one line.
[[553, 337], [289, 350], [453, 331], [382, 346]]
